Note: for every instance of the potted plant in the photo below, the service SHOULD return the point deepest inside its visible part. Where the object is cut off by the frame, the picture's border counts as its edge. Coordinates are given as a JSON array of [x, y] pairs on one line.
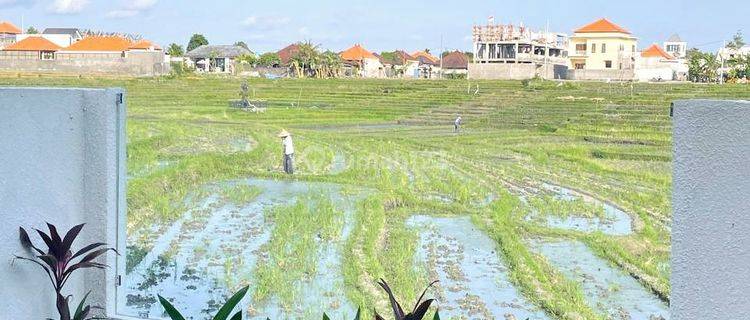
[[59, 262]]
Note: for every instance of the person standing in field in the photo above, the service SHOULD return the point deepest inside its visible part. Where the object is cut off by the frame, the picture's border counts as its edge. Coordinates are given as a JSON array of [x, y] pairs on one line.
[[288, 146], [457, 124]]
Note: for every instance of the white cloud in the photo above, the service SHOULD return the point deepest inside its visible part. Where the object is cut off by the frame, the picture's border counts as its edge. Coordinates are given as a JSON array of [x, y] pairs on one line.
[[68, 6], [304, 31], [265, 22]]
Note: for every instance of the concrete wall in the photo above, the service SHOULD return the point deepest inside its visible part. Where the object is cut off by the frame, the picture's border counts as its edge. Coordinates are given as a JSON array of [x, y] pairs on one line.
[[134, 64], [515, 71], [711, 203], [61, 153], [618, 75]]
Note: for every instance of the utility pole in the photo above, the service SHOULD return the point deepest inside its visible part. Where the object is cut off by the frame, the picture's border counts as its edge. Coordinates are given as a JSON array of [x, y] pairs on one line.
[[721, 70], [442, 52]]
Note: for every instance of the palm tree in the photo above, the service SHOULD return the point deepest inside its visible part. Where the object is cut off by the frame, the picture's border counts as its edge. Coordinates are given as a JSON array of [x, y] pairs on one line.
[[306, 62], [332, 64]]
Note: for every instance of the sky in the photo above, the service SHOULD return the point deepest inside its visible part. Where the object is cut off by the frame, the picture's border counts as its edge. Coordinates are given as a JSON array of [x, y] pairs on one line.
[[382, 25]]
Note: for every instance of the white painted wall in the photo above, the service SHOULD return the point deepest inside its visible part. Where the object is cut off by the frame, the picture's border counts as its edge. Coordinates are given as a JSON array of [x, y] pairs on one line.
[[61, 152], [711, 203], [63, 40]]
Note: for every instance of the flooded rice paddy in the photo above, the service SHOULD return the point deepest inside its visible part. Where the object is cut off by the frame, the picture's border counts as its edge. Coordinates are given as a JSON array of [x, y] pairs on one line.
[[607, 289], [473, 279], [216, 248]]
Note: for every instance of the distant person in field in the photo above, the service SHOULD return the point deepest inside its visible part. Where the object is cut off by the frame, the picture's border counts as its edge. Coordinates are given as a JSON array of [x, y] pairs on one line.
[[457, 124], [288, 146]]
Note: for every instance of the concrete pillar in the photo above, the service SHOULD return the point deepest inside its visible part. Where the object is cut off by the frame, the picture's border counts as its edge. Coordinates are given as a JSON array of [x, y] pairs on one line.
[[62, 160], [711, 203]]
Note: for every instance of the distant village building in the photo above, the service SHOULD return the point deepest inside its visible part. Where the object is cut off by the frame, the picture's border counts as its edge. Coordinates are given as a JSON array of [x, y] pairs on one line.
[[675, 47], [429, 65], [110, 55], [216, 58], [286, 54], [517, 52], [399, 64], [455, 63], [602, 50], [359, 62], [655, 64], [8, 32], [63, 37]]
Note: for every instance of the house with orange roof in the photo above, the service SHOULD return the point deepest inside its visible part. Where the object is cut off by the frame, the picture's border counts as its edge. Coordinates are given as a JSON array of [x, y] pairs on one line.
[[31, 48], [602, 50], [63, 37], [8, 32], [359, 62], [111, 55], [656, 64], [399, 64]]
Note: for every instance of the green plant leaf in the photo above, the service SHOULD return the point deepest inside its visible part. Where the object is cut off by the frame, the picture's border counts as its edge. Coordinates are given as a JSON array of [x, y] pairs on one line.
[[325, 316], [79, 315], [359, 313], [223, 313], [437, 315], [237, 316], [170, 309]]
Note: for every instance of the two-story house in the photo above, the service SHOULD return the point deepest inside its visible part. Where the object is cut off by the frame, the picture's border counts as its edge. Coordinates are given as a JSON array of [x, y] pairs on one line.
[[604, 50]]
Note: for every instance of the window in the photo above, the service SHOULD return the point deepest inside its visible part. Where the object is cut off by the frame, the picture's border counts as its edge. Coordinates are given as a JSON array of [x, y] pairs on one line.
[[47, 55], [604, 48], [633, 49], [580, 66], [581, 48], [608, 64], [593, 48]]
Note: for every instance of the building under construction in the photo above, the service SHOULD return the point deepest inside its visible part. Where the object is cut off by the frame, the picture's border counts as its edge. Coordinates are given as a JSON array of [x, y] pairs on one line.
[[517, 52]]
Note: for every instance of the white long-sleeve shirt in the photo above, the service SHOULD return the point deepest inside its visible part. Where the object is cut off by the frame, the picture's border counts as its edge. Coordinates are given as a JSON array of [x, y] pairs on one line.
[[288, 145]]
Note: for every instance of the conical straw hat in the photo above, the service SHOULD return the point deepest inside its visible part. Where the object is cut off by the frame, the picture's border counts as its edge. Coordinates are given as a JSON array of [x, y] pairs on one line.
[[284, 134]]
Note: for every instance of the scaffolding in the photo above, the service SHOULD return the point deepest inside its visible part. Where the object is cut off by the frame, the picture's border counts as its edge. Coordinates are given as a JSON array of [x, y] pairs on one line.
[[508, 43]]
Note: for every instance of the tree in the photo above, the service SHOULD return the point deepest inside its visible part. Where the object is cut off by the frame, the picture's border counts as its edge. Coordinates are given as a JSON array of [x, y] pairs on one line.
[[242, 44], [248, 58], [331, 64], [269, 59], [306, 61], [702, 66], [196, 40], [175, 50], [737, 41], [32, 30]]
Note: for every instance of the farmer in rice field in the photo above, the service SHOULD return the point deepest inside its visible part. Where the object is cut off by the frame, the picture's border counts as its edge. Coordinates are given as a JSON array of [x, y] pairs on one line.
[[288, 146], [457, 124]]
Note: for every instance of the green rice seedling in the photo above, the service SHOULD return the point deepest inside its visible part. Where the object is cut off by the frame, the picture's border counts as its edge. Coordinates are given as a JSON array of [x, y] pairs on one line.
[[241, 194]]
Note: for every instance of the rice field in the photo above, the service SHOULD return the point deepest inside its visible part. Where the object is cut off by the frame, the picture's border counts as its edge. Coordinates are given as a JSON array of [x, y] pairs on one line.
[[552, 202]]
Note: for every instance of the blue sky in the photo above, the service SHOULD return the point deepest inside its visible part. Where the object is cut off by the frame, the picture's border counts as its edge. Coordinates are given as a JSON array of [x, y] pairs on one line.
[[378, 25]]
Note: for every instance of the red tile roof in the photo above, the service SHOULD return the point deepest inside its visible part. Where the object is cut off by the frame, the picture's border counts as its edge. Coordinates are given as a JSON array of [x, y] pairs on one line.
[[357, 53], [101, 43], [655, 51], [455, 60], [425, 57], [600, 26], [144, 44], [7, 27], [33, 44], [286, 54]]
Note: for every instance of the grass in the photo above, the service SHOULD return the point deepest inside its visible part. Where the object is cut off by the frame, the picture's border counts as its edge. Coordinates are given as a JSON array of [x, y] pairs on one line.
[[613, 141]]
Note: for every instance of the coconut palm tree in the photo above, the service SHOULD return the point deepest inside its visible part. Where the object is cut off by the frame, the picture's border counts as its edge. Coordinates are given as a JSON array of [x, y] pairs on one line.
[[306, 62]]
